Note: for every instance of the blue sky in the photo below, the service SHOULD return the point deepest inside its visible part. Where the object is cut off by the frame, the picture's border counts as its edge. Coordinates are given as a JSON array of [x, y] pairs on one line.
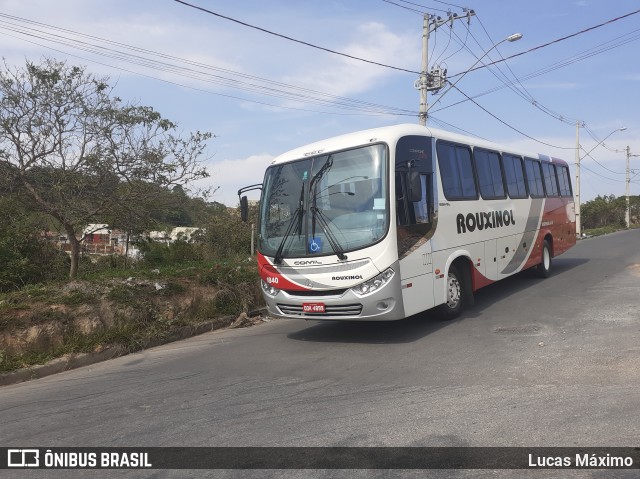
[[569, 79]]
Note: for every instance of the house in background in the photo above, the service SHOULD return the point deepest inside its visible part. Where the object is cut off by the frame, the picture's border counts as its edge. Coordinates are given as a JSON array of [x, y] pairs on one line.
[[98, 240], [181, 232]]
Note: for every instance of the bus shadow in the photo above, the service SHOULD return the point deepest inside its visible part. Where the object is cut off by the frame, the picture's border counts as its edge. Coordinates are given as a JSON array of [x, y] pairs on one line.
[[420, 325], [522, 281], [369, 332]]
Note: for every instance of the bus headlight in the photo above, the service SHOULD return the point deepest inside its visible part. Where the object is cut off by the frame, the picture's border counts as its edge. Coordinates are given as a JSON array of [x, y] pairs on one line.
[[373, 284], [269, 289]]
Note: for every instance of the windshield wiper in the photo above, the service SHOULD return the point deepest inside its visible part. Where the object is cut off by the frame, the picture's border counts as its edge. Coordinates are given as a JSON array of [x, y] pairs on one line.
[[317, 213], [333, 242], [296, 218]]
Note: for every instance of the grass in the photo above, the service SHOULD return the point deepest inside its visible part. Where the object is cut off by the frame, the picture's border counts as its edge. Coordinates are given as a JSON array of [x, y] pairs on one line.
[[130, 336], [604, 230], [75, 298], [142, 311], [10, 363], [181, 270]]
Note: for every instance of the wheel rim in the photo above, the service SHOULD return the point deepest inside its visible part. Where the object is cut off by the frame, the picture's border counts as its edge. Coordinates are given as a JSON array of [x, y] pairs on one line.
[[546, 258], [453, 297]]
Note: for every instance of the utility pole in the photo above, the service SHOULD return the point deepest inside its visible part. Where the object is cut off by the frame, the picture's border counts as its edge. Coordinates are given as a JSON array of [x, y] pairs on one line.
[[423, 80], [627, 213], [437, 78], [627, 216], [577, 203]]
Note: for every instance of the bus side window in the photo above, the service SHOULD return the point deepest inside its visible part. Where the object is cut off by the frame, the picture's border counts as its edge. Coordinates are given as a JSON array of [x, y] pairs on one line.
[[421, 208], [565, 183], [411, 213], [550, 179], [402, 213]]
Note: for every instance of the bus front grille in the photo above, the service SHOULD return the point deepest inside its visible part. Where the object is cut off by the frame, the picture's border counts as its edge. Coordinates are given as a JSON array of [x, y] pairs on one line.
[[330, 310], [327, 292]]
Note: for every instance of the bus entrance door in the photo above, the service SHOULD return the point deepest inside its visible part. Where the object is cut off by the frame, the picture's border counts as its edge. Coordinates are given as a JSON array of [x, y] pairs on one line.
[[416, 270]]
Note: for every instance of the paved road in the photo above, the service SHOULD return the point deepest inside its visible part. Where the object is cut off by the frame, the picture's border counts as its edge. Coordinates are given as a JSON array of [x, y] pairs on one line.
[[552, 362]]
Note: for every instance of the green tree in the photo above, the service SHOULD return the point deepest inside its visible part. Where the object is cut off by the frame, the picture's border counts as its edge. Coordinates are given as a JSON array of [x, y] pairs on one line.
[[225, 234], [81, 153], [634, 209], [26, 257], [603, 211]]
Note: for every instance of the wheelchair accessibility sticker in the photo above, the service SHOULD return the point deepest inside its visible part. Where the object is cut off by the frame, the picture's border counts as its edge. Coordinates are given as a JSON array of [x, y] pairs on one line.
[[315, 245]]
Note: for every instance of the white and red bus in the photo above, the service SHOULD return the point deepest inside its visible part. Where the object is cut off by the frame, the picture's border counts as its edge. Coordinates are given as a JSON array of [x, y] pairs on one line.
[[386, 223]]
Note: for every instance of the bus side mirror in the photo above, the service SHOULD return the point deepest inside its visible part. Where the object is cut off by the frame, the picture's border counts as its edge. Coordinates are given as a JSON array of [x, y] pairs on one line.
[[415, 187], [244, 203], [244, 209]]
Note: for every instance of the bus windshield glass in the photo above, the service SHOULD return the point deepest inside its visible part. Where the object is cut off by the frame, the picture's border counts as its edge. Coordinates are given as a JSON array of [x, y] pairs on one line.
[[326, 204]]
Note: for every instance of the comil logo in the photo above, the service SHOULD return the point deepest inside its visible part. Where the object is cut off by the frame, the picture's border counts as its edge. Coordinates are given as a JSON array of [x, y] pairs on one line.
[[23, 458]]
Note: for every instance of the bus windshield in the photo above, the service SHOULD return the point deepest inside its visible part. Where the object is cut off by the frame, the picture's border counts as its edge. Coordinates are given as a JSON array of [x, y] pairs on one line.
[[324, 205]]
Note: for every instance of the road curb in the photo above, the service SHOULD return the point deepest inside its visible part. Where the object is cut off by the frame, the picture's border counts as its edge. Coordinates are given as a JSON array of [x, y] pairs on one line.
[[58, 365], [78, 360]]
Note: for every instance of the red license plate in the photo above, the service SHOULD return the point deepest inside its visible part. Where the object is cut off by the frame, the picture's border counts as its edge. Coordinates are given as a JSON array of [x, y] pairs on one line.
[[313, 307]]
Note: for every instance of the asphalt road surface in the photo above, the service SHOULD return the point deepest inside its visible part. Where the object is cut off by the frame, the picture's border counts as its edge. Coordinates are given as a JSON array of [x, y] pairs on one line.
[[553, 362]]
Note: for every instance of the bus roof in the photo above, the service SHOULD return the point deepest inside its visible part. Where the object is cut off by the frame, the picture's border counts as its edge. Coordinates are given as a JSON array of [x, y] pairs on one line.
[[390, 134]]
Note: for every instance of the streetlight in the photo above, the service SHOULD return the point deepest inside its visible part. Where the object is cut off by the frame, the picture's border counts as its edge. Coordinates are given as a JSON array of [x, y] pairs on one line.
[[577, 203], [511, 38]]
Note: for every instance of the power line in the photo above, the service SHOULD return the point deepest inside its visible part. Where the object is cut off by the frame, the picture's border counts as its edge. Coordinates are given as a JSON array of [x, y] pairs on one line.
[[602, 177], [614, 43], [464, 44], [421, 12], [450, 4], [504, 80], [209, 91], [507, 124], [435, 62], [276, 89], [443, 123], [549, 43], [526, 92], [600, 164], [528, 96], [189, 86], [593, 136], [511, 84], [264, 30], [432, 8]]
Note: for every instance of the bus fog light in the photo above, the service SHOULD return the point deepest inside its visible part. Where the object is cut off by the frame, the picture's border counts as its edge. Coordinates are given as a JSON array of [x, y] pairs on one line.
[[382, 305], [373, 284]]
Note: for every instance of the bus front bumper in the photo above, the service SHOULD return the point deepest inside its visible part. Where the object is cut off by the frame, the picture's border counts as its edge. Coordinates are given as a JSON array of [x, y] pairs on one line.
[[384, 304]]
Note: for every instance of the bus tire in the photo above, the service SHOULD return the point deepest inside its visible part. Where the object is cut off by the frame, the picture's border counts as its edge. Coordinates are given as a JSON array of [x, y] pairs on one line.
[[456, 291], [543, 269]]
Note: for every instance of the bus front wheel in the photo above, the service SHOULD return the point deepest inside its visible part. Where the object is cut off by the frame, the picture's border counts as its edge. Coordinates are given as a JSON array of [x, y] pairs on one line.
[[456, 294], [544, 268]]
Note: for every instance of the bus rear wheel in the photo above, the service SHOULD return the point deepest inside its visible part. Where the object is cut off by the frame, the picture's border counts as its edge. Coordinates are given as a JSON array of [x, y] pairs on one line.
[[544, 268], [456, 293]]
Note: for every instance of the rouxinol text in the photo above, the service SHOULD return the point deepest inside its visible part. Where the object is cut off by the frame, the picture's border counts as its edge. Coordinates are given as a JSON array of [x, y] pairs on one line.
[[484, 221]]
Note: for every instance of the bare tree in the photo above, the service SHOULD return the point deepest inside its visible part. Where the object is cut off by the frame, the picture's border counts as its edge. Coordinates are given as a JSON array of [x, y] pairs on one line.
[[80, 152]]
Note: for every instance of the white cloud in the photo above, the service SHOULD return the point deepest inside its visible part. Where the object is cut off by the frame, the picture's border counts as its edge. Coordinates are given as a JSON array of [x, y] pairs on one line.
[[231, 175], [147, 29], [567, 152], [343, 76]]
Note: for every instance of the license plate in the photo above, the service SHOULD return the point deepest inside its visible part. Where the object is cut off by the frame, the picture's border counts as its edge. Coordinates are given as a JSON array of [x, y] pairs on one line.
[[313, 307]]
